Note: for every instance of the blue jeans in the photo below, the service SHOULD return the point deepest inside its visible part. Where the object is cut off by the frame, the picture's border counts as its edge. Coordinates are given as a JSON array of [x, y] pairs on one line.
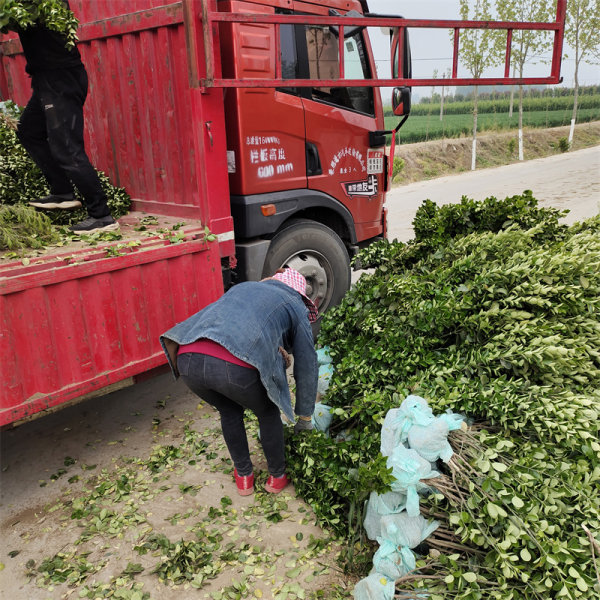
[[231, 389]]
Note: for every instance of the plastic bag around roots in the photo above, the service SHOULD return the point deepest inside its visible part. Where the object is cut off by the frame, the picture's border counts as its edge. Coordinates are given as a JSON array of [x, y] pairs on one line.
[[321, 417], [400, 533], [325, 374], [414, 425], [408, 469], [375, 586], [378, 506]]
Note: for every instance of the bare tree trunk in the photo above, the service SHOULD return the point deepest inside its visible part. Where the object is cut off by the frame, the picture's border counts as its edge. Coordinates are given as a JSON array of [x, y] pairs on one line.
[[512, 98], [521, 122], [474, 148], [442, 104], [575, 100]]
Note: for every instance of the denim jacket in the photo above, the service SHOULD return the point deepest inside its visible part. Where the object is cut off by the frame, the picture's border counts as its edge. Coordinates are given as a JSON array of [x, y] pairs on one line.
[[251, 321]]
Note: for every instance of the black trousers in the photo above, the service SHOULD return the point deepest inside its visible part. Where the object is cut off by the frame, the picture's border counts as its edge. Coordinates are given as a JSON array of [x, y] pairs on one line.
[[231, 389], [51, 130]]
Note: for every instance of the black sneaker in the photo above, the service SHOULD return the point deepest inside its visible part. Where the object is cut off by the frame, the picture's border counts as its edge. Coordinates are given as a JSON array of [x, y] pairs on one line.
[[91, 224], [55, 201]]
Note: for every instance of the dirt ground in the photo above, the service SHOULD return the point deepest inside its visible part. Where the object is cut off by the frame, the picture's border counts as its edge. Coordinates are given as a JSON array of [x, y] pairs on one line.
[[97, 496], [89, 488]]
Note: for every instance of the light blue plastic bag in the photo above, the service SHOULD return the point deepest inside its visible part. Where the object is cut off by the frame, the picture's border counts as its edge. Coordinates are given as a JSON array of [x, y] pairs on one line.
[[394, 430], [323, 357], [392, 561], [408, 469], [325, 374], [321, 418], [414, 425], [399, 534], [398, 422], [379, 505], [375, 586], [431, 442], [453, 420]]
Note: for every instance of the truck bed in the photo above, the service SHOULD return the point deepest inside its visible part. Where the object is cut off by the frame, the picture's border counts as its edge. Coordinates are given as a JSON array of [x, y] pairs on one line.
[[138, 231], [77, 319]]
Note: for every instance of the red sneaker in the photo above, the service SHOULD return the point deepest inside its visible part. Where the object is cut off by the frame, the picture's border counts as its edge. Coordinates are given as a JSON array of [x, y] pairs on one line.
[[276, 484], [245, 485]]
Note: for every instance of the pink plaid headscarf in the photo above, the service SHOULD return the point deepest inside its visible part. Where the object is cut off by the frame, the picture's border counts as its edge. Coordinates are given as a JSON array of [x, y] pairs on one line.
[[297, 282]]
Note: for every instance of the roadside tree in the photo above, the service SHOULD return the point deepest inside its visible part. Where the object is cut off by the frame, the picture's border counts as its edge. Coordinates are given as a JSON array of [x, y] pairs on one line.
[[527, 45], [582, 33], [478, 51]]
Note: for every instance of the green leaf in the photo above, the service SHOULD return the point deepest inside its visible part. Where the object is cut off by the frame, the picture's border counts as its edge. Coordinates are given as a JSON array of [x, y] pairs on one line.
[[517, 502]]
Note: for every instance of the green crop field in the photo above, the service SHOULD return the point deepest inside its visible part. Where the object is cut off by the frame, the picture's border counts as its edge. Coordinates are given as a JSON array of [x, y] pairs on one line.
[[424, 122]]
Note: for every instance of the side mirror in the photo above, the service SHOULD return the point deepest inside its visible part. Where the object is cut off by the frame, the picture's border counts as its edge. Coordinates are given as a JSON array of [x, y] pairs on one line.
[[401, 101]]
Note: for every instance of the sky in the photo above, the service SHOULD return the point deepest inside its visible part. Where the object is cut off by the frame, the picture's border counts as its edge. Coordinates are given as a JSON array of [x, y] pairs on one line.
[[432, 49]]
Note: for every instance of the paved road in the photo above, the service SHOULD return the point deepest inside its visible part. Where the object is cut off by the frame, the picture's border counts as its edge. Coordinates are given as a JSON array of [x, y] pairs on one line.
[[570, 180]]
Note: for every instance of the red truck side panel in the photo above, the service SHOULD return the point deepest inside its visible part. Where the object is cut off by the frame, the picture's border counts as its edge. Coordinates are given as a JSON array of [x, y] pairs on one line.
[[69, 329], [340, 137]]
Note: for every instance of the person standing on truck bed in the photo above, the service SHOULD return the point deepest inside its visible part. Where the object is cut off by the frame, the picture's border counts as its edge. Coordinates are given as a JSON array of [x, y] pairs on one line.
[[51, 127], [233, 355]]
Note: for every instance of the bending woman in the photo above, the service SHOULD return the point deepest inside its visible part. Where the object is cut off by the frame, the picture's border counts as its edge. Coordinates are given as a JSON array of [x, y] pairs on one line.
[[233, 355]]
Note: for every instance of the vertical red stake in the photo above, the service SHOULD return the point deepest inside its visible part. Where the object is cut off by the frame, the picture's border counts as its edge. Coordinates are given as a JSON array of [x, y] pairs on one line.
[[455, 56], [341, 52], [278, 67], [508, 52]]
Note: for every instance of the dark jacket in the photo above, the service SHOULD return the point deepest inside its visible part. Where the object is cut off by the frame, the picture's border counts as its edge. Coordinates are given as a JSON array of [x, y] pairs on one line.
[[252, 320], [45, 50]]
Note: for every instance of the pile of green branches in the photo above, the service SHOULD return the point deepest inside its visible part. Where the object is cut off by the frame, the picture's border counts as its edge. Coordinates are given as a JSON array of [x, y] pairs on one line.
[[501, 326], [16, 15]]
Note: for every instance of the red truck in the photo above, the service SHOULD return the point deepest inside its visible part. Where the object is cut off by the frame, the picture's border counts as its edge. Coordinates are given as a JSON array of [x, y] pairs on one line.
[[261, 122]]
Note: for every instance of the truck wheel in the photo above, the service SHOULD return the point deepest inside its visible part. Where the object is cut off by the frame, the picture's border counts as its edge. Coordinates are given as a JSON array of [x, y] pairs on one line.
[[319, 254]]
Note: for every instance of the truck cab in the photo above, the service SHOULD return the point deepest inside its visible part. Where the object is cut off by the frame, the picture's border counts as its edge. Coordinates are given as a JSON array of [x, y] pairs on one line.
[[306, 186]]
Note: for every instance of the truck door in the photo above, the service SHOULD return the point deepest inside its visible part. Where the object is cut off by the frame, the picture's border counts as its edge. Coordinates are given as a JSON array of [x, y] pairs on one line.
[[338, 122]]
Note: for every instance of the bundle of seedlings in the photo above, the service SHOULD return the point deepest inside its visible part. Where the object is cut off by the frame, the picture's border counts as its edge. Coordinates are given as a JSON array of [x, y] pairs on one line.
[[21, 181], [515, 515], [23, 227], [503, 328]]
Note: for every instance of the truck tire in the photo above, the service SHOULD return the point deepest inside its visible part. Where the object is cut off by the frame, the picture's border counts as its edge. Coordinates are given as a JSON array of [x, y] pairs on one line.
[[319, 254]]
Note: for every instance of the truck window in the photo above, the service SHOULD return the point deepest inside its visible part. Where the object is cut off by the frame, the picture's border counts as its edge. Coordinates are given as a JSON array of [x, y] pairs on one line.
[[323, 63], [289, 57], [395, 63]]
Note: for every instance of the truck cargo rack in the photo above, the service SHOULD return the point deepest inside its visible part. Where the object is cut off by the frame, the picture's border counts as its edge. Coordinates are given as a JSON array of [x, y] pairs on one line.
[[213, 76]]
